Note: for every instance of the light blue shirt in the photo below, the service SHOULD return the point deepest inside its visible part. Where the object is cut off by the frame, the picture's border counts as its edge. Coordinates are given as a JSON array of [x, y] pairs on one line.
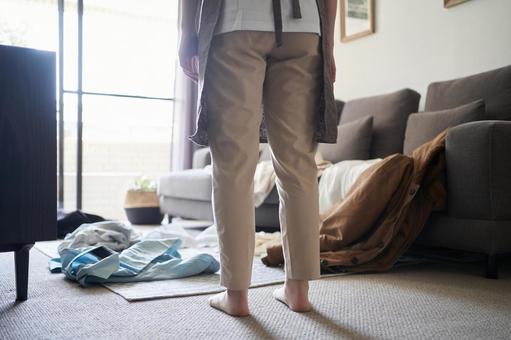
[[257, 15], [144, 261]]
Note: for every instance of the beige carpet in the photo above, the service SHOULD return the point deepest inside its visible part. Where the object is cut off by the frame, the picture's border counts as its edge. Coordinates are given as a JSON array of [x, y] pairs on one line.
[[426, 301]]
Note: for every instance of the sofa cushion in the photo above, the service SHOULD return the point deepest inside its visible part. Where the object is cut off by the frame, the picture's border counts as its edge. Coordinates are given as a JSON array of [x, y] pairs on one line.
[[390, 113], [423, 127], [353, 141], [192, 184], [468, 234], [201, 158], [340, 106], [492, 86], [272, 198], [265, 152]]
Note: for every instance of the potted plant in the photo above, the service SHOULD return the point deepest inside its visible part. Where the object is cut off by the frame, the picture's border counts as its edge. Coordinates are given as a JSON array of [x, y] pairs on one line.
[[142, 204]]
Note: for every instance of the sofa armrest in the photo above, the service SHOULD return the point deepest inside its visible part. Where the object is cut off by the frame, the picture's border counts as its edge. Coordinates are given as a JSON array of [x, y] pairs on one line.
[[479, 170], [201, 158]]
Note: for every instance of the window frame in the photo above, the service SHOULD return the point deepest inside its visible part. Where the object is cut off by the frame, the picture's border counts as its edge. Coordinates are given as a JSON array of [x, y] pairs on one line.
[[79, 92]]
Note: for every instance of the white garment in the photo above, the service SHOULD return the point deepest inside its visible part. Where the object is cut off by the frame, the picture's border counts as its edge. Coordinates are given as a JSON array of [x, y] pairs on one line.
[[337, 180], [207, 238], [257, 15], [264, 181], [115, 235], [264, 240], [172, 230]]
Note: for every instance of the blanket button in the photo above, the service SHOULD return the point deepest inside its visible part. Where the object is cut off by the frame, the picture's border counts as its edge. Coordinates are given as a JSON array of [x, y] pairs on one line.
[[354, 260]]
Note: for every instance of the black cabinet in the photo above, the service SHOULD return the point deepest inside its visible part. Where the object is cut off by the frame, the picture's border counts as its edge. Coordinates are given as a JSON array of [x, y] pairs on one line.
[[28, 157]]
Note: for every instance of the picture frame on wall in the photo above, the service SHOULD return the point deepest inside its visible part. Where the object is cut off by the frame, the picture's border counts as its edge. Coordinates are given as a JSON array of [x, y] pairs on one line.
[[451, 3], [357, 19]]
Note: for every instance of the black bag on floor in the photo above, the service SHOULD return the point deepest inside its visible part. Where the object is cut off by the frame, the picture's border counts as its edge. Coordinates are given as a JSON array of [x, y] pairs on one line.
[[67, 222]]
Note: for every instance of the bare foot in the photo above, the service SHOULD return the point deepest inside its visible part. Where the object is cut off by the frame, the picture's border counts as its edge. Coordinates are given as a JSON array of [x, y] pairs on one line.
[[294, 294], [232, 302]]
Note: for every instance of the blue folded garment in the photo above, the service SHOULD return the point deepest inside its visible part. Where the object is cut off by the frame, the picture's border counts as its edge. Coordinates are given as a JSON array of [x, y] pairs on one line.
[[144, 261]]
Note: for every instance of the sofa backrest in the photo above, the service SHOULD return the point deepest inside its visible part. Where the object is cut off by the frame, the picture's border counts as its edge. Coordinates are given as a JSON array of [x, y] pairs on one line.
[[390, 113], [339, 104], [264, 152], [492, 86]]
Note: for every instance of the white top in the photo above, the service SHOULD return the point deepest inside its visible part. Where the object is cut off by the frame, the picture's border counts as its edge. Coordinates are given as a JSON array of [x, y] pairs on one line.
[[257, 15]]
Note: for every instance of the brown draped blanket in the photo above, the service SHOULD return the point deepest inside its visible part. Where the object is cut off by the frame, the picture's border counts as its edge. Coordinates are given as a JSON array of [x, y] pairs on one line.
[[383, 213]]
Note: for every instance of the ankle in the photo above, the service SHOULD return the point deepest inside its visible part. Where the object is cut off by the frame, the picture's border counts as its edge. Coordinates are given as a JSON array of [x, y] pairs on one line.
[[233, 303], [295, 294], [237, 294], [297, 285]]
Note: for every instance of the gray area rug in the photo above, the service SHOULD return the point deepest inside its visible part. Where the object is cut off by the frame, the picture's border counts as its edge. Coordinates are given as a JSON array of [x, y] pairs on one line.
[[431, 301], [193, 285]]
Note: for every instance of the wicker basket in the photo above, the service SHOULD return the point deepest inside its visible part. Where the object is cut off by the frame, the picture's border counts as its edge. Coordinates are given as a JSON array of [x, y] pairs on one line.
[[142, 207]]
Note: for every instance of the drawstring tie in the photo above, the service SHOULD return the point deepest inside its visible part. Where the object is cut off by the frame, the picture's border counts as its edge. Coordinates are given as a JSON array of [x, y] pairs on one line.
[[277, 17]]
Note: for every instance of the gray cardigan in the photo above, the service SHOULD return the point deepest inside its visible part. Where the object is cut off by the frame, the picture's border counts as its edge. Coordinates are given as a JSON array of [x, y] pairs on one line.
[[207, 16]]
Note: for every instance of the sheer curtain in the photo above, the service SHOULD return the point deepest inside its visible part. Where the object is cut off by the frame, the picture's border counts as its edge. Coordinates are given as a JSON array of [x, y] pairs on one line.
[[184, 120]]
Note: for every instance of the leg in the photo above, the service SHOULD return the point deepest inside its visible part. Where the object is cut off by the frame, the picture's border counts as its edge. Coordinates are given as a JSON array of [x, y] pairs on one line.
[[21, 257], [492, 270], [291, 94], [234, 81]]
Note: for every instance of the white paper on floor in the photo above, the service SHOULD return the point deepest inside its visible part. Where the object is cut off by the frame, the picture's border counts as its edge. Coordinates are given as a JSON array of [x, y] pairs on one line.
[[207, 238]]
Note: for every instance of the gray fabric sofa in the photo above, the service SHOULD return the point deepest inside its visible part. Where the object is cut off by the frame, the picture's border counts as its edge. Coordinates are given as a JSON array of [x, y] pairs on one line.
[[478, 176], [478, 159]]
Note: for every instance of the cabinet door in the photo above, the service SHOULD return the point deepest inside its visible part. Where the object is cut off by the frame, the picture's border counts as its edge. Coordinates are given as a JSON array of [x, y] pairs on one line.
[[28, 147]]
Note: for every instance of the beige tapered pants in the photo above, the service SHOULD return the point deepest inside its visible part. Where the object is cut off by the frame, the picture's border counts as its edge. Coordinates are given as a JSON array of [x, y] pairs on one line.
[[245, 70]]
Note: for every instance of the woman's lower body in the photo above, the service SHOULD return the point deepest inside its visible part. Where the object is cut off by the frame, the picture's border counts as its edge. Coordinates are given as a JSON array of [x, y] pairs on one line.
[[247, 74]]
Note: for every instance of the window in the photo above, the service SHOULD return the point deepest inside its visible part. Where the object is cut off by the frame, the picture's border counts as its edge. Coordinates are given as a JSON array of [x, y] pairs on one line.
[[129, 47], [116, 70], [123, 138]]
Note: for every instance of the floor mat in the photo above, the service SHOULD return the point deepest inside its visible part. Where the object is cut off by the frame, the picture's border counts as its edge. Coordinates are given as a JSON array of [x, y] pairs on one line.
[[194, 285]]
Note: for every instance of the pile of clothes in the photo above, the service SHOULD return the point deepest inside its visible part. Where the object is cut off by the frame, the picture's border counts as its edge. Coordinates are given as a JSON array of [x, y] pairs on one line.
[[112, 251], [382, 213]]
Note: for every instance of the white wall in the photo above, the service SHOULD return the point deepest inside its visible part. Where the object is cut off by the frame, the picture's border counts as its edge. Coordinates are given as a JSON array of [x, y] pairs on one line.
[[419, 41]]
